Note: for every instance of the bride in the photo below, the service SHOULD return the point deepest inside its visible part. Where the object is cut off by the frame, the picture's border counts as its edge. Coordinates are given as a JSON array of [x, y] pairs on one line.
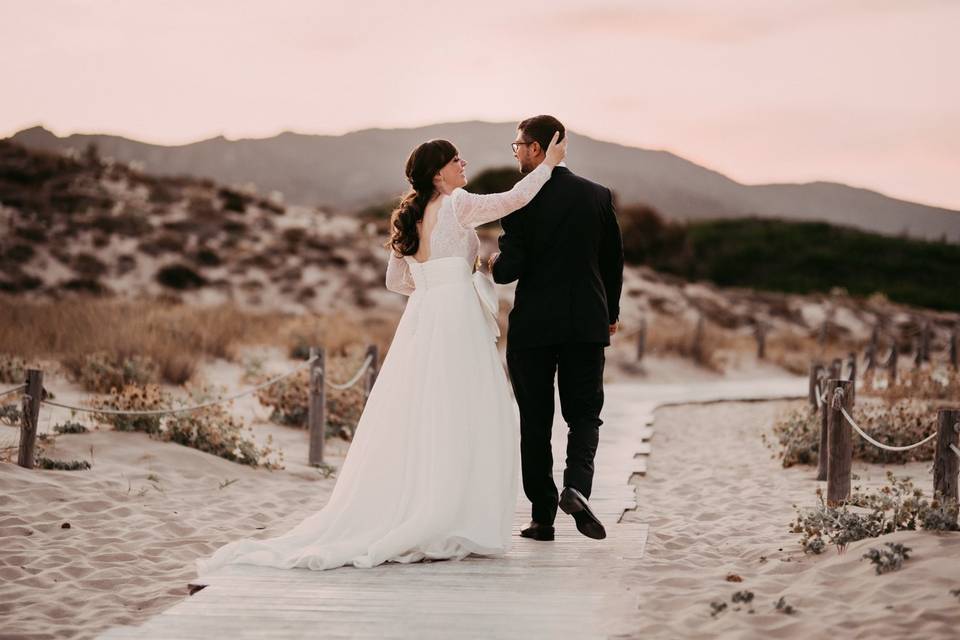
[[432, 471]]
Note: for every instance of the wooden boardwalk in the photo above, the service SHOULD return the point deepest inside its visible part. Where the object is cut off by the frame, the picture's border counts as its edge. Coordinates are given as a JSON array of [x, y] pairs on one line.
[[573, 587]]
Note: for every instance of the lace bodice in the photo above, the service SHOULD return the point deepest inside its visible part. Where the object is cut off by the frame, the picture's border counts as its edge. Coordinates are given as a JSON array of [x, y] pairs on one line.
[[460, 213]]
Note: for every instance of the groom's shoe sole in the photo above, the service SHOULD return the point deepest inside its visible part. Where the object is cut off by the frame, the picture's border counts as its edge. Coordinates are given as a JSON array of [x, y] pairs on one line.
[[573, 503], [541, 533]]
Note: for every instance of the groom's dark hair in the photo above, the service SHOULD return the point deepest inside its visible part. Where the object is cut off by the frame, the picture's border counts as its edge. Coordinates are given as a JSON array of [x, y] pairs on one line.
[[541, 129]]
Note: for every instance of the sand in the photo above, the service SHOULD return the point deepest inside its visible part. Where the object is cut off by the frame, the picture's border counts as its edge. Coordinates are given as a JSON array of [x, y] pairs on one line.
[[718, 503]]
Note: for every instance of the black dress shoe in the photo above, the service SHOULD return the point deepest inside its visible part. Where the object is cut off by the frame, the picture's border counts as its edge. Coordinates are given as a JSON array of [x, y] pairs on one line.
[[538, 531], [573, 502]]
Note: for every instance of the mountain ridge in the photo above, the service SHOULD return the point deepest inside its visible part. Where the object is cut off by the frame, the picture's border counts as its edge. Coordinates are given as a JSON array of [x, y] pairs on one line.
[[368, 170]]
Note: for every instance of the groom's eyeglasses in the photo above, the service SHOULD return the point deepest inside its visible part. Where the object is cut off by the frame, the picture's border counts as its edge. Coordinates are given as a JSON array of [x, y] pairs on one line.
[[516, 145]]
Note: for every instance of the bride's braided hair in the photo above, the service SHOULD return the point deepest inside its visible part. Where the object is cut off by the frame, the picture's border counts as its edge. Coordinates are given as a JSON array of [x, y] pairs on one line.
[[422, 165]]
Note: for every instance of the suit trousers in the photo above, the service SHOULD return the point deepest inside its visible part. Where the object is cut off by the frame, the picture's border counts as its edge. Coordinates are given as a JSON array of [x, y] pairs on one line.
[[578, 368]]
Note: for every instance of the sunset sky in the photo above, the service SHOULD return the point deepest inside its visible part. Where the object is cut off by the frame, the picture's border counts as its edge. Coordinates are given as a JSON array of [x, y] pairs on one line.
[[858, 91]]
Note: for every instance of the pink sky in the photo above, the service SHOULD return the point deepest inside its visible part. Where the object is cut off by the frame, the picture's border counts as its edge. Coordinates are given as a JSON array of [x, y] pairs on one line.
[[856, 91]]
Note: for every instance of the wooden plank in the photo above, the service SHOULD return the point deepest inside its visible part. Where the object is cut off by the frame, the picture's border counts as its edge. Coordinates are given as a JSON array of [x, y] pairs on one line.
[[573, 587]]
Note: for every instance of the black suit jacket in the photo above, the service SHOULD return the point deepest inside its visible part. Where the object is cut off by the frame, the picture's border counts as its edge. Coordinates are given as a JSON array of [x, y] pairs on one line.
[[565, 249]]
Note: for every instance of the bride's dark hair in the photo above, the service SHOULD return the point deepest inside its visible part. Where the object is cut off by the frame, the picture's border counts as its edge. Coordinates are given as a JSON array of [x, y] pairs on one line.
[[422, 165]]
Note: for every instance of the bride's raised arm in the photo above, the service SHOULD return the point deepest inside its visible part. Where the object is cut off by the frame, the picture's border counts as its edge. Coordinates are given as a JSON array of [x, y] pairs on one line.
[[474, 209]]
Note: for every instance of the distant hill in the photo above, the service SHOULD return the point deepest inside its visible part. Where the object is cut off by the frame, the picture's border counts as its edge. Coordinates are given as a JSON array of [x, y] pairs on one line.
[[366, 167], [796, 257]]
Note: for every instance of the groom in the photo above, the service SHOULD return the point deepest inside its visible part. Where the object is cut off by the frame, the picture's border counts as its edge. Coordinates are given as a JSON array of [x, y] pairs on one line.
[[565, 250]]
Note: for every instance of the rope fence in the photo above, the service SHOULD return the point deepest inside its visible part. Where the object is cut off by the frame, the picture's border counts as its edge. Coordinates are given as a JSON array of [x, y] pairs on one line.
[[833, 398], [876, 443], [196, 407], [316, 420], [356, 377], [14, 390]]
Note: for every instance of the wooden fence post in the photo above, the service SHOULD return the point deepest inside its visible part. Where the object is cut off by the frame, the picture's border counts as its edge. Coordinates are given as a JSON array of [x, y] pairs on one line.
[[698, 341], [953, 349], [871, 351], [922, 348], [373, 352], [642, 339], [836, 368], [892, 365], [316, 420], [816, 369], [30, 420], [823, 451], [870, 358], [852, 364], [760, 333], [946, 464], [840, 442]]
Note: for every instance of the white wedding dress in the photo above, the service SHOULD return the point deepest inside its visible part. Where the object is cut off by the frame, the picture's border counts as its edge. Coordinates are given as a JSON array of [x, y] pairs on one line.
[[432, 471]]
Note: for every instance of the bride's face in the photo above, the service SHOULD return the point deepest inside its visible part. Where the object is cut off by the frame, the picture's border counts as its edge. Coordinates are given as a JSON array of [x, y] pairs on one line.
[[452, 175]]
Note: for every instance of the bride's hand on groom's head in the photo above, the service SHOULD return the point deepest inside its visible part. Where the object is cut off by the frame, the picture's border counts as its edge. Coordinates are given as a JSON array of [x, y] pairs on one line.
[[557, 151]]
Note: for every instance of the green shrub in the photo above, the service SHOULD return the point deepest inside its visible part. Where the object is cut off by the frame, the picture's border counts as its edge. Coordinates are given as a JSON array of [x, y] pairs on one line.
[[181, 277], [101, 372], [70, 427], [889, 559], [896, 506], [806, 257], [62, 465]]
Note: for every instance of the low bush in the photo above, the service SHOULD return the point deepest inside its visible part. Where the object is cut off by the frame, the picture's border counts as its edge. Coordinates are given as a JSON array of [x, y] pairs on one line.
[[132, 397], [180, 277], [289, 397], [210, 429], [899, 424], [213, 430], [896, 506], [13, 370], [62, 465], [101, 371], [889, 559], [70, 427]]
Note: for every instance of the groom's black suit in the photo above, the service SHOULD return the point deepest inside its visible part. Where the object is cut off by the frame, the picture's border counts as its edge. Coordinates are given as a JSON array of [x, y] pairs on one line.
[[565, 249]]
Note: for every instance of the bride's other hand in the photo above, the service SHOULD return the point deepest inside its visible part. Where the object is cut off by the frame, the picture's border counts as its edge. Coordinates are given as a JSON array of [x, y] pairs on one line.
[[557, 151]]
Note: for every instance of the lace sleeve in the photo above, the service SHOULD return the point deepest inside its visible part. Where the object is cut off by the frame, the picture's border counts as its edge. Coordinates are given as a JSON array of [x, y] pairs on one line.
[[474, 209], [398, 275]]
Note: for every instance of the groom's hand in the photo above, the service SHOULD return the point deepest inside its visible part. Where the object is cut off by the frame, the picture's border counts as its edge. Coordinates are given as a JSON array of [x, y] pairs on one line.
[[491, 260], [614, 327]]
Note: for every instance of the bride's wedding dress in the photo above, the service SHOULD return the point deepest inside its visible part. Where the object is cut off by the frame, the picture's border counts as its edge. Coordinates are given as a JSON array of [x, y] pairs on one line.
[[432, 471]]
